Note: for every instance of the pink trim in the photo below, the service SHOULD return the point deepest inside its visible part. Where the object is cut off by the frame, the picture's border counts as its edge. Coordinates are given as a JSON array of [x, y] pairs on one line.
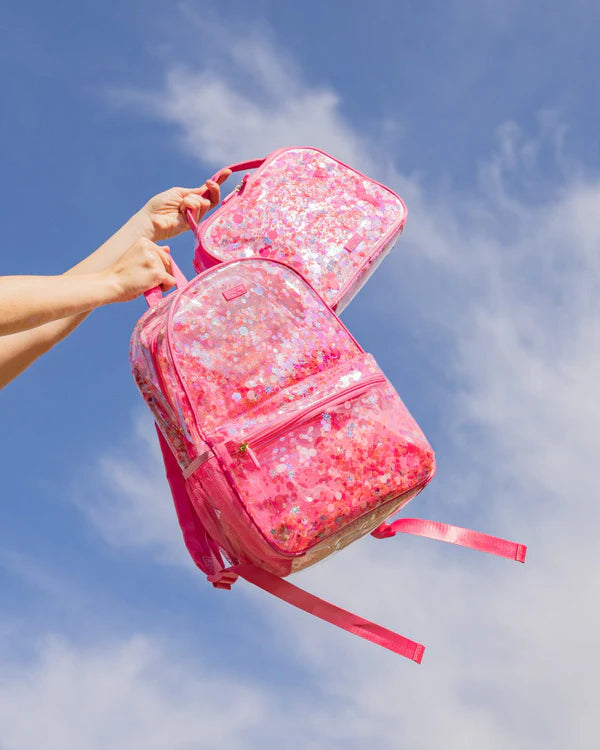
[[153, 296], [453, 535], [324, 610]]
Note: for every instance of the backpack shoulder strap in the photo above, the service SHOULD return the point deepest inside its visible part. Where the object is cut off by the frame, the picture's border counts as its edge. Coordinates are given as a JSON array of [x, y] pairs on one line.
[[454, 535], [203, 550], [330, 613]]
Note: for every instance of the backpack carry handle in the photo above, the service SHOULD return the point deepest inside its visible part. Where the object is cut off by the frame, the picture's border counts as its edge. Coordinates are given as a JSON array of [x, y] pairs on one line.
[[153, 296], [241, 166]]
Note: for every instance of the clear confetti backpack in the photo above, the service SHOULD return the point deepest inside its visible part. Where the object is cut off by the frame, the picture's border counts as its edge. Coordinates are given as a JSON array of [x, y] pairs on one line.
[[283, 440], [301, 206]]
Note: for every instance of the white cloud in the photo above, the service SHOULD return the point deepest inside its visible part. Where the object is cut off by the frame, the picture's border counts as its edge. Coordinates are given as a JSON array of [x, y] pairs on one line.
[[507, 278], [255, 102], [520, 315], [126, 695]]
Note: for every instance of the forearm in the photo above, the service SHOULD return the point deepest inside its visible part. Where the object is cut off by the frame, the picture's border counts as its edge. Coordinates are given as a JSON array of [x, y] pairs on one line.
[[28, 302], [43, 338], [162, 217], [19, 350], [39, 340], [68, 299], [108, 253]]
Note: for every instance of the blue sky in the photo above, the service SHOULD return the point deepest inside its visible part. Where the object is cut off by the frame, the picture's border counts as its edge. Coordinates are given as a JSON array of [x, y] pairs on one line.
[[484, 117]]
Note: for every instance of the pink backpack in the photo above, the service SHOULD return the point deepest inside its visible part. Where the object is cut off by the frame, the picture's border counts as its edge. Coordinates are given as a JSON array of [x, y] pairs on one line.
[[283, 441], [311, 211]]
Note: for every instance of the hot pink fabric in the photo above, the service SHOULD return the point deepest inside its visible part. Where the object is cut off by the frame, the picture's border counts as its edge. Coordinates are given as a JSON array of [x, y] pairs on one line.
[[443, 532], [303, 207]]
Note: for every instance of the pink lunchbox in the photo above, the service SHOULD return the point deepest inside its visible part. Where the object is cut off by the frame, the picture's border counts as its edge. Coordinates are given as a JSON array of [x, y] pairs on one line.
[[301, 206]]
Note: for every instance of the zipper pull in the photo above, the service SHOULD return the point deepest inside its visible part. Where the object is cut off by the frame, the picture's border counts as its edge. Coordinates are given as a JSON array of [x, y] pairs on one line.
[[242, 184], [236, 190], [245, 448]]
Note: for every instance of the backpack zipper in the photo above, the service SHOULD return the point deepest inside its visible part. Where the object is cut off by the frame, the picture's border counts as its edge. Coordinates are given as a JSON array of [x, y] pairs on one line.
[[263, 436], [236, 190]]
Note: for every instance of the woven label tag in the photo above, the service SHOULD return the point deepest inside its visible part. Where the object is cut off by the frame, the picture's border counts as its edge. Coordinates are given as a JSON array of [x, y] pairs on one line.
[[234, 291], [353, 243]]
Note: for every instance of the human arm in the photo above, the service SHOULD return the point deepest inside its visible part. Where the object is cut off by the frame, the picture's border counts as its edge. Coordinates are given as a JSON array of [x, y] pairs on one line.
[[30, 301], [162, 217]]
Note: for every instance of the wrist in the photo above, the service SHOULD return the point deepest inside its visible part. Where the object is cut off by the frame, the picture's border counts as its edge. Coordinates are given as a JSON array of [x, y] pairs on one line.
[[108, 287], [141, 225]]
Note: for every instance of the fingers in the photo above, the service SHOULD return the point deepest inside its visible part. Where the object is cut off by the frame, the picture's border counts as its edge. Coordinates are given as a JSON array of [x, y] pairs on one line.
[[214, 193], [223, 175], [219, 180], [209, 185], [144, 265], [210, 190], [163, 253], [202, 199], [168, 280], [195, 191], [198, 205], [168, 283]]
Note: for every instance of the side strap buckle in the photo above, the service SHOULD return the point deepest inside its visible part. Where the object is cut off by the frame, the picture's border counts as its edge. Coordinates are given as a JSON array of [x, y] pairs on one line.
[[224, 579]]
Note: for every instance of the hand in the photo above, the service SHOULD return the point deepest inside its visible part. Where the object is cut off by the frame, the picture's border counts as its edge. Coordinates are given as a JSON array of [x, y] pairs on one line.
[[165, 212], [143, 266]]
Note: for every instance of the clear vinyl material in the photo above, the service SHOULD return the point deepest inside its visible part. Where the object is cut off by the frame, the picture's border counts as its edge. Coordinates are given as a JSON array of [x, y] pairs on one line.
[[329, 222], [300, 443]]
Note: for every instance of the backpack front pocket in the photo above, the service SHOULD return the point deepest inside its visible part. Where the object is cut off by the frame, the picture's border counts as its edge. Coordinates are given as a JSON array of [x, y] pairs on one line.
[[304, 476]]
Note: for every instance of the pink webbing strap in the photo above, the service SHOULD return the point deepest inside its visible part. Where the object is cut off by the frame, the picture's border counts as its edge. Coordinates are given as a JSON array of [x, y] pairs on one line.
[[204, 552], [241, 166], [454, 535], [330, 613], [153, 296]]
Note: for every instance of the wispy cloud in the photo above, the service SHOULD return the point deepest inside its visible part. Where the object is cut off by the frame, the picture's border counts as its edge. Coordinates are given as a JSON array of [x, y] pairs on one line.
[[253, 103], [124, 695]]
